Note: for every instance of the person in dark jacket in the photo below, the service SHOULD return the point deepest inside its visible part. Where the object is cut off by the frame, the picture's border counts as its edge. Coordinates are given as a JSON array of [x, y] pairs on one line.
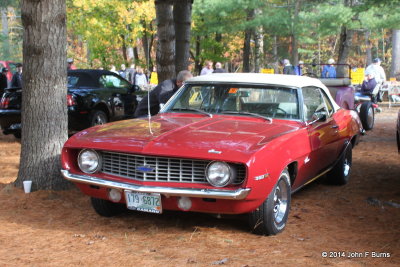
[[288, 68], [3, 80], [218, 68], [17, 77], [161, 94], [368, 85]]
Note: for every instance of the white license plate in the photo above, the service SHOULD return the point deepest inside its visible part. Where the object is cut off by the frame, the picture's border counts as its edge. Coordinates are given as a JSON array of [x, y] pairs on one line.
[[147, 202]]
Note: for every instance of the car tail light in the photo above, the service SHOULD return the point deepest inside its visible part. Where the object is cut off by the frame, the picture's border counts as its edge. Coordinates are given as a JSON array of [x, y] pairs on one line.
[[71, 100], [5, 102]]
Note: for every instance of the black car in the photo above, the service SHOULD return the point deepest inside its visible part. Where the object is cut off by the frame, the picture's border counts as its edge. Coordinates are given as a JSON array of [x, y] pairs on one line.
[[94, 97]]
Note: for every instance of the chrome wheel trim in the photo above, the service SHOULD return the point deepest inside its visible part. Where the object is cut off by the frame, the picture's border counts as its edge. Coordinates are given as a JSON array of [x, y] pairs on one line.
[[346, 167], [99, 120], [280, 201], [370, 116]]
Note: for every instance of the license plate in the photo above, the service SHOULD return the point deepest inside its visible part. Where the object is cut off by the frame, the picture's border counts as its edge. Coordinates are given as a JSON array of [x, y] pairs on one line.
[[147, 202]]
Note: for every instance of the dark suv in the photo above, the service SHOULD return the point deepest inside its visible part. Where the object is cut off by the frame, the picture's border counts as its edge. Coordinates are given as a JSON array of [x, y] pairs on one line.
[[94, 97]]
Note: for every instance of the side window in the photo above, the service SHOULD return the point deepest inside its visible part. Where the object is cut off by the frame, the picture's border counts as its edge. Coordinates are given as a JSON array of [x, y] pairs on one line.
[[328, 103], [111, 81], [313, 102]]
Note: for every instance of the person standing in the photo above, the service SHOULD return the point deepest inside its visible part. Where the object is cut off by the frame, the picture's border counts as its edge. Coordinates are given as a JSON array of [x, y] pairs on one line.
[[113, 69], [208, 68], [161, 94], [299, 68], [329, 71], [122, 72], [376, 69], [288, 68], [17, 77], [3, 81], [130, 74], [218, 68], [140, 78], [70, 64]]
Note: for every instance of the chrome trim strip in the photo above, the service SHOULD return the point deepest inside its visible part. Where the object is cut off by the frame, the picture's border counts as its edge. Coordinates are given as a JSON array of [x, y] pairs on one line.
[[238, 194]]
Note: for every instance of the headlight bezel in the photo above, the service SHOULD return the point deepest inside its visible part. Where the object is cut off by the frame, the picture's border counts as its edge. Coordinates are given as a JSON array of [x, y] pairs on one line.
[[99, 161], [231, 170]]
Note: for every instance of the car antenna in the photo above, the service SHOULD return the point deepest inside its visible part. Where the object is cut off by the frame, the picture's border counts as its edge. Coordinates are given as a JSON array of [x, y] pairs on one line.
[[148, 111]]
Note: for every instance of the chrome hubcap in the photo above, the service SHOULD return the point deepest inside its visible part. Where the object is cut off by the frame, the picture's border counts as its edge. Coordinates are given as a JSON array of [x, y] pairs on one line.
[[370, 117], [99, 120], [280, 202], [346, 169]]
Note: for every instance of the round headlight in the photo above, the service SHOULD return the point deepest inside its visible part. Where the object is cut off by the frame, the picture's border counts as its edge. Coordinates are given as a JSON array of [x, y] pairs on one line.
[[219, 174], [89, 161]]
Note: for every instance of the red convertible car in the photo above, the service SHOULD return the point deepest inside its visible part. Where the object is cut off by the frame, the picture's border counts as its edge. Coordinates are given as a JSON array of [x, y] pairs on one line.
[[225, 144]]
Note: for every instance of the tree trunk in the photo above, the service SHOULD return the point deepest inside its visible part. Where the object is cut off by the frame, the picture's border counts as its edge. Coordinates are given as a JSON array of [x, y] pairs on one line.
[[258, 44], [275, 54], [44, 101], [247, 43], [136, 54], [295, 45], [345, 41], [124, 54], [166, 40], [395, 68], [182, 21], [368, 48], [197, 58], [146, 47], [6, 42]]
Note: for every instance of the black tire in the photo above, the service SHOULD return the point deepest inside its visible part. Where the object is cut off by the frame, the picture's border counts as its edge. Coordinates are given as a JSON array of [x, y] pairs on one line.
[[17, 135], [340, 174], [271, 217], [98, 117], [367, 115], [106, 208]]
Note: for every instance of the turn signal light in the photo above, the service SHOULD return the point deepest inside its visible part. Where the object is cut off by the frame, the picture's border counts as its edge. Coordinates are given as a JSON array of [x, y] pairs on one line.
[[71, 100], [5, 102]]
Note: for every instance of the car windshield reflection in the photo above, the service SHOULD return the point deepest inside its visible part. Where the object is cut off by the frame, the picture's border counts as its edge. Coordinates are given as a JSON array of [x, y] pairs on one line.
[[264, 101]]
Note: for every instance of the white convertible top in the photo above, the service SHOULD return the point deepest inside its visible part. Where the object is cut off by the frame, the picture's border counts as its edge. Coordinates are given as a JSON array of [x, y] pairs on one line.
[[261, 78]]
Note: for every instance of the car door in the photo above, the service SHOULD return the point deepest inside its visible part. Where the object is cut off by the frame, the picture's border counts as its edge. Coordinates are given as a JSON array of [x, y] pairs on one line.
[[323, 134], [120, 96]]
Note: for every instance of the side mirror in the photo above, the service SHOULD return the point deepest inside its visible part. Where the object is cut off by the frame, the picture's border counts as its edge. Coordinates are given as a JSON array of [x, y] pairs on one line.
[[318, 116]]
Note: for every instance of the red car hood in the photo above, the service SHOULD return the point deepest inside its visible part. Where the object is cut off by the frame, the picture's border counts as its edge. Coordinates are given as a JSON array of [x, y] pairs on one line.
[[235, 137]]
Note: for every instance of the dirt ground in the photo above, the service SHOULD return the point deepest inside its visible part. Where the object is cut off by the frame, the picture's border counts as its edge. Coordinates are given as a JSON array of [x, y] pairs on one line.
[[61, 229]]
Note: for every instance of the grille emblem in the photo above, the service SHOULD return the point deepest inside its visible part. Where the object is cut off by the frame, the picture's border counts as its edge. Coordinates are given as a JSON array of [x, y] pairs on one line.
[[145, 169], [213, 151]]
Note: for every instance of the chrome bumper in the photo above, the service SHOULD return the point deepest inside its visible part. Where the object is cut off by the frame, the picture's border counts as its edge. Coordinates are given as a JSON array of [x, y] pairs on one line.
[[237, 194]]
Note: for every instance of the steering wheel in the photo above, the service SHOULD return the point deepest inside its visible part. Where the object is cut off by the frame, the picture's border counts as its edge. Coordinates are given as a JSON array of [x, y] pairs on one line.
[[310, 74], [279, 109]]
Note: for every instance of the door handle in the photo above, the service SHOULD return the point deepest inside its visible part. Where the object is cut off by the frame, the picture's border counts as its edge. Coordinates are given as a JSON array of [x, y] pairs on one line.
[[335, 126]]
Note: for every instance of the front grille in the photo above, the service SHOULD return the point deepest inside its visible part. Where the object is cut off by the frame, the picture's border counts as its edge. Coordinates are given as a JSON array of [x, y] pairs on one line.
[[160, 169]]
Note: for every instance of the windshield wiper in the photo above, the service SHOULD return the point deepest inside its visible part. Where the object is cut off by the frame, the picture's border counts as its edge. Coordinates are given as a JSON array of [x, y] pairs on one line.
[[192, 109], [247, 113]]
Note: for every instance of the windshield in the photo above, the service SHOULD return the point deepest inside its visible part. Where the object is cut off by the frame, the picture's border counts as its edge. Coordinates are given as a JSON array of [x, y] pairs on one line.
[[265, 101]]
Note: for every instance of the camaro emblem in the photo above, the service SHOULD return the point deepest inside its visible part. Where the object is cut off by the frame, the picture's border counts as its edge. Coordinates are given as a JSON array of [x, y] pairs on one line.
[[145, 169], [213, 151]]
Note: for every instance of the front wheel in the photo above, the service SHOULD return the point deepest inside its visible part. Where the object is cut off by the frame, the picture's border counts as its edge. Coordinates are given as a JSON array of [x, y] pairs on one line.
[[367, 115], [271, 216], [340, 174], [106, 208]]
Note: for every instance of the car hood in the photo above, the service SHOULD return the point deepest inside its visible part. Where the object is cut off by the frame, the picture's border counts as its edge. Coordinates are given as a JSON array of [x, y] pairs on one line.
[[196, 136]]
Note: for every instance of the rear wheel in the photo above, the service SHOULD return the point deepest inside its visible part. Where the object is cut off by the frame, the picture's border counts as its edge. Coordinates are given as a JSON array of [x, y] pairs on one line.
[[98, 117], [340, 174], [367, 115], [106, 208], [270, 218]]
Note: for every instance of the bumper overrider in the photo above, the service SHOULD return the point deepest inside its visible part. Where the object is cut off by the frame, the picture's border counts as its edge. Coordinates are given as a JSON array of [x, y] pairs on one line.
[[237, 194]]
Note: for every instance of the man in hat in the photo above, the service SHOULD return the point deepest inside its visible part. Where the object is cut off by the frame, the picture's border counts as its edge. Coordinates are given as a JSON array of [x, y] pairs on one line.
[[288, 68], [329, 71], [16, 80], [369, 84], [3, 80], [299, 68], [376, 69]]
